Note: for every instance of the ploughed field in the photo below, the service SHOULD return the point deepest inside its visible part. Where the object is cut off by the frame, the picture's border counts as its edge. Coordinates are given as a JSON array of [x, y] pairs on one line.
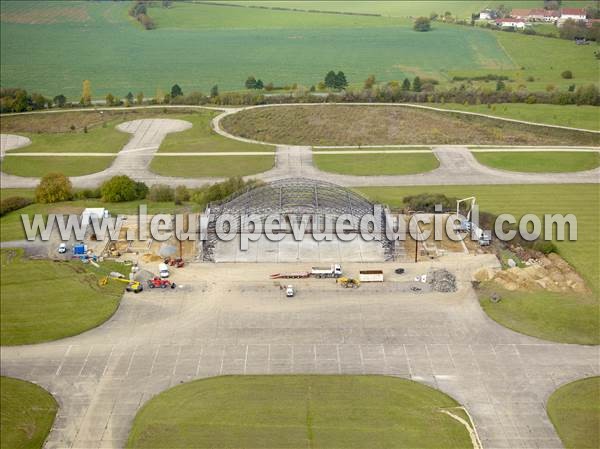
[[385, 125]]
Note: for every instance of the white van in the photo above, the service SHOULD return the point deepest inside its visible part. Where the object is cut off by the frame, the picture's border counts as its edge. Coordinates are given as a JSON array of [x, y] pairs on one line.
[[163, 270]]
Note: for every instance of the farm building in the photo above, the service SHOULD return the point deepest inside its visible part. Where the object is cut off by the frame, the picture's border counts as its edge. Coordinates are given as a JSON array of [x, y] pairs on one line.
[[572, 13], [511, 23]]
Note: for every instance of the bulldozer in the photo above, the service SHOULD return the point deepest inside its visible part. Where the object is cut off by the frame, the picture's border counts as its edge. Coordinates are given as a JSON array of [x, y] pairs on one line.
[[348, 282]]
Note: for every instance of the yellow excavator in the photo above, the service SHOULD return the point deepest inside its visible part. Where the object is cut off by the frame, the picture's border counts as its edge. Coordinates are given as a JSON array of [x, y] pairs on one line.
[[348, 282], [132, 286]]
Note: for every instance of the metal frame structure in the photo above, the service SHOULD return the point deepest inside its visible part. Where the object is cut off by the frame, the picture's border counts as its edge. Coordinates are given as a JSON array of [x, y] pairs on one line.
[[293, 196]]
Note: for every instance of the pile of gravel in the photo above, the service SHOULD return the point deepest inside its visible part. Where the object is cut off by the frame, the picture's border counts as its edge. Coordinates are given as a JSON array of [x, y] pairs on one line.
[[441, 281]]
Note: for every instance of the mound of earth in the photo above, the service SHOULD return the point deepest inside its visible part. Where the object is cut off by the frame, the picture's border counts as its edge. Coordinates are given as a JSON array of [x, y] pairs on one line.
[[549, 273]]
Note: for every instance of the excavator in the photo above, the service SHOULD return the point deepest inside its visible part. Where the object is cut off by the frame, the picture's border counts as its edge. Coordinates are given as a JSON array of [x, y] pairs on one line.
[[348, 282], [132, 286]]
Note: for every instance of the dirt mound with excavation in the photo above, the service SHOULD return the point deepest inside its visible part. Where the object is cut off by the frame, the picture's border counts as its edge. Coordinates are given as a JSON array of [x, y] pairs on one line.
[[549, 273]]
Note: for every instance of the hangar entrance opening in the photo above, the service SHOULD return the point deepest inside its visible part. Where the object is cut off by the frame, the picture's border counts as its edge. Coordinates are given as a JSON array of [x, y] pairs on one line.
[[295, 200]]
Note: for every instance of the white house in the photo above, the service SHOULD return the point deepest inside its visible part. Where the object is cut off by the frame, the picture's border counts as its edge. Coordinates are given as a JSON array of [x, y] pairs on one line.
[[518, 24], [486, 14]]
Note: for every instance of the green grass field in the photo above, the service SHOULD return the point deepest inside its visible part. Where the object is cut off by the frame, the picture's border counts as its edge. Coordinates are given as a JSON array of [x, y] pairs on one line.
[[376, 164], [38, 166], [211, 166], [404, 8], [586, 117], [198, 46], [61, 299], [574, 409], [201, 138], [537, 314], [28, 412], [566, 318], [298, 412], [540, 162]]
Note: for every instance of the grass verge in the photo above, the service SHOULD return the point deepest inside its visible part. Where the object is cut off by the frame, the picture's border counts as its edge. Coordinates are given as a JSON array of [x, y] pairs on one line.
[[331, 125], [585, 117], [201, 138], [298, 412], [43, 300], [376, 164], [540, 162], [28, 412], [574, 409], [39, 166], [566, 318], [211, 166]]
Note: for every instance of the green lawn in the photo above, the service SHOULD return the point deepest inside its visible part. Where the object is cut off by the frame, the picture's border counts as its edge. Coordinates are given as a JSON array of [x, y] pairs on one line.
[[201, 138], [539, 162], [586, 117], [28, 412], [376, 164], [298, 412], [566, 318], [211, 166], [61, 299], [96, 140], [38, 166], [574, 409], [536, 314]]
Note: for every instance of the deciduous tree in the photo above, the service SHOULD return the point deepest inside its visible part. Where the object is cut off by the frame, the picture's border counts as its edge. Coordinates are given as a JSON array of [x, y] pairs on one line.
[[86, 93], [54, 187]]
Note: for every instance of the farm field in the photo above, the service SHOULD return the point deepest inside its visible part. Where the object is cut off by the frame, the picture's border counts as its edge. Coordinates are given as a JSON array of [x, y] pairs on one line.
[[537, 314], [376, 164], [42, 312], [211, 166], [298, 411], [574, 409], [586, 117], [380, 125], [203, 45], [409, 8], [540, 162], [28, 412], [38, 166], [201, 138]]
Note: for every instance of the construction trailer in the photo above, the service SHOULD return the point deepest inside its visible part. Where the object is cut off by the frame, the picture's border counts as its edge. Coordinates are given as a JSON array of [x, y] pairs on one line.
[[370, 276]]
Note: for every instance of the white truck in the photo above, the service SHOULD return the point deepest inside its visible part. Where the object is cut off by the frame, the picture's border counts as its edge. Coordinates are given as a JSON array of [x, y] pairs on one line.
[[334, 271], [163, 270], [289, 291]]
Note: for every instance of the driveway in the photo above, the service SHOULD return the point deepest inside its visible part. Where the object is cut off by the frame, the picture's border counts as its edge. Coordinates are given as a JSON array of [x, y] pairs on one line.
[[231, 319]]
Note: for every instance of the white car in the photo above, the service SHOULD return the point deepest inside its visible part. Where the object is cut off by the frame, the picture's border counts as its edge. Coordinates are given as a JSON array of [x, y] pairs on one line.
[[289, 291], [62, 248]]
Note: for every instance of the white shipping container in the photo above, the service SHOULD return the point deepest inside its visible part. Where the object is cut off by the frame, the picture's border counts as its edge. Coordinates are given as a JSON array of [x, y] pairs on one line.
[[371, 276]]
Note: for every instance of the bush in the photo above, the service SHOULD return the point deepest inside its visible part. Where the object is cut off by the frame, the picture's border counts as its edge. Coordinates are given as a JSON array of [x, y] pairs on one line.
[[426, 202], [13, 203], [545, 247], [122, 188], [54, 187], [161, 193], [422, 24], [181, 194], [567, 74]]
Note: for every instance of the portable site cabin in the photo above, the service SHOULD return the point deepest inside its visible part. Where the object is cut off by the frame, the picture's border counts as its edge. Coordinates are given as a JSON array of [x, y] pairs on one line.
[[98, 212]]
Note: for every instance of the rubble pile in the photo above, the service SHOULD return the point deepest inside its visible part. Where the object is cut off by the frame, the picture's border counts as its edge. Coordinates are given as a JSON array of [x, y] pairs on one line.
[[441, 281]]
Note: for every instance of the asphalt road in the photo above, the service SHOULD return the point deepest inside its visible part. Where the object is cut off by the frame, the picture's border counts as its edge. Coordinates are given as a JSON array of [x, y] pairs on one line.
[[231, 319]]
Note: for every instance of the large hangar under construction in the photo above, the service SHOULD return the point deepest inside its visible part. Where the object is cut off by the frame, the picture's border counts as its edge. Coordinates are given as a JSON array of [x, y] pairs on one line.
[[302, 215]]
